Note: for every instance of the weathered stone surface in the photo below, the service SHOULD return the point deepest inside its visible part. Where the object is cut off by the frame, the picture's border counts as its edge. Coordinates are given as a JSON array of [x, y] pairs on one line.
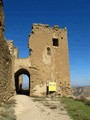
[[50, 56], [6, 86], [48, 60], [6, 89]]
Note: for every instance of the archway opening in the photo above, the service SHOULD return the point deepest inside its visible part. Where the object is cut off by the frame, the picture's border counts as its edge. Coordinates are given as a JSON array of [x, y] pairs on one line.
[[22, 82]]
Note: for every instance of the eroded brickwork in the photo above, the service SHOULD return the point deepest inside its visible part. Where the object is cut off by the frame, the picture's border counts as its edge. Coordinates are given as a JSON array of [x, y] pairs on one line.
[[6, 89], [49, 59], [6, 86]]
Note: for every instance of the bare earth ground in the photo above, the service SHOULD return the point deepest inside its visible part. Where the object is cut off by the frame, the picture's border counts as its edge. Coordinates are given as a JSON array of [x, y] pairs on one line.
[[28, 108]]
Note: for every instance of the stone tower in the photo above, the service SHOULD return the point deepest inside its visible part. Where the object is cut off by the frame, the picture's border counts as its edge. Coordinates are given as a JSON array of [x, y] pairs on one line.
[[49, 59]]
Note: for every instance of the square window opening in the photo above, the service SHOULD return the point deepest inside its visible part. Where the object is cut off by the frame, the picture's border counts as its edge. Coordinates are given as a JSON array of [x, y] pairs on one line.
[[55, 42]]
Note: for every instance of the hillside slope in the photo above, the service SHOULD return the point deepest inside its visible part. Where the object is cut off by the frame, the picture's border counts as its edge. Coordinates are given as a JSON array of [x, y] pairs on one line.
[[81, 91]]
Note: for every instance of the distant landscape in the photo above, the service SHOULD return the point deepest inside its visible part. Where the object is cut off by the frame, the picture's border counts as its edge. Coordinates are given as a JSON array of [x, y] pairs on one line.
[[81, 91]]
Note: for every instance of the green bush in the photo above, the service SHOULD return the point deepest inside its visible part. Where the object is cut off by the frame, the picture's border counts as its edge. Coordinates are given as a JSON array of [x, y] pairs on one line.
[[87, 102]]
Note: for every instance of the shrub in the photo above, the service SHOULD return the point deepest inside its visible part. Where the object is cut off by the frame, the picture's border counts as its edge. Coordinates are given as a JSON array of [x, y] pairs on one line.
[[87, 102]]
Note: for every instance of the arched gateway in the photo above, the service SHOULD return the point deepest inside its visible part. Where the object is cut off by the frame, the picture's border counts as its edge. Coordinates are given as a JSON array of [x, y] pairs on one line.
[[18, 81]]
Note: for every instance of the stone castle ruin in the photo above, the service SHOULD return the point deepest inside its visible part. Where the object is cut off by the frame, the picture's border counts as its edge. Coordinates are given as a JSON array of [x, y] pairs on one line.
[[47, 65]]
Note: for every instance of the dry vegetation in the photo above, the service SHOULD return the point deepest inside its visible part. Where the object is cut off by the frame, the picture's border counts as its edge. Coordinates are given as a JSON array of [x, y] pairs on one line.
[[40, 108], [52, 103], [78, 109], [7, 110]]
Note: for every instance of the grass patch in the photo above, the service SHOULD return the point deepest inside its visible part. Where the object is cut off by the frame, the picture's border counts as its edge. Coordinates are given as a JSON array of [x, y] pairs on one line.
[[76, 109], [7, 110]]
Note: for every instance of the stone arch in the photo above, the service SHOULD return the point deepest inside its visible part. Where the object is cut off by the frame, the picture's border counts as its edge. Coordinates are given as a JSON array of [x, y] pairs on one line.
[[17, 85]]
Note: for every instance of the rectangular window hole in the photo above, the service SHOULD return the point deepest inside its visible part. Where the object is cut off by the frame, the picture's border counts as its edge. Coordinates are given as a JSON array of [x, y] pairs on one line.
[[55, 42]]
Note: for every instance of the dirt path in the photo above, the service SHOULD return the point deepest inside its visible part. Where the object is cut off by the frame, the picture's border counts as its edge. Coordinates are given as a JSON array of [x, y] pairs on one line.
[[28, 108]]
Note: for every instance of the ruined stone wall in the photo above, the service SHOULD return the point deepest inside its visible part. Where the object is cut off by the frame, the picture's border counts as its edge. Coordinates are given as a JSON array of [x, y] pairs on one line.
[[20, 63], [21, 66], [6, 89], [11, 47], [6, 86], [49, 56], [15, 53]]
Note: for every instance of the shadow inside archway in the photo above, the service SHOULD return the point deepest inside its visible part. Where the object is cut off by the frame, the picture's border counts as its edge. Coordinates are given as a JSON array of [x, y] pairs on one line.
[[19, 82]]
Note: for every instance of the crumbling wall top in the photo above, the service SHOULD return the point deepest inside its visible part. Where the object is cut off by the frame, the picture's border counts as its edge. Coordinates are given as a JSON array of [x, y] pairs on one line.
[[55, 27], [37, 25], [10, 41], [15, 52], [10, 46]]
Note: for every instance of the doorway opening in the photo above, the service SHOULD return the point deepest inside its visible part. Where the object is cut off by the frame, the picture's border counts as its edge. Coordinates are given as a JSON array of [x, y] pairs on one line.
[[22, 82]]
